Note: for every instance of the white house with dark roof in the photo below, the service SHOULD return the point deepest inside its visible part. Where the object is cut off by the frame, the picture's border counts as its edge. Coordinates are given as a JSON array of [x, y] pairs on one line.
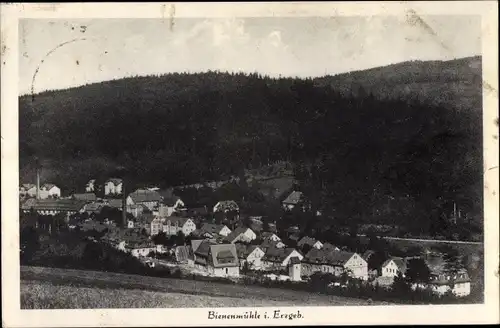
[[215, 229], [173, 224], [336, 262], [54, 206], [311, 242], [393, 266], [279, 258], [170, 205], [270, 236], [148, 198], [294, 199], [219, 260], [251, 254], [27, 190], [241, 234], [49, 190], [113, 186], [90, 186]]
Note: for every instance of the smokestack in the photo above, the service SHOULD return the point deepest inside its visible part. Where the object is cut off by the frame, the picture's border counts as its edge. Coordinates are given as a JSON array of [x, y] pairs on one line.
[[37, 183], [124, 205]]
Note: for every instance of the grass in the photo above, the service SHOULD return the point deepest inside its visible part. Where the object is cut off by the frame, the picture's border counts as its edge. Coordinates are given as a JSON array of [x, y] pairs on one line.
[[61, 288]]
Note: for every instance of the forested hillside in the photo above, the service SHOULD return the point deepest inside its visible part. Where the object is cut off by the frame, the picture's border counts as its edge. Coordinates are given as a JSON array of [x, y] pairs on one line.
[[409, 134]]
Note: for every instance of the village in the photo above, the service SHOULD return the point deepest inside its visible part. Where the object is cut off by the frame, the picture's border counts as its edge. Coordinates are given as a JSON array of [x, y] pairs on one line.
[[218, 240]]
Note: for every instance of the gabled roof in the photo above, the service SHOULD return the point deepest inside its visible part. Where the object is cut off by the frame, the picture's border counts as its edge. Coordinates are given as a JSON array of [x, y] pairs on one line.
[[278, 254], [268, 234], [295, 260], [245, 250], [143, 195], [212, 228], [177, 219], [267, 243], [224, 255], [63, 205], [29, 204], [48, 186], [28, 186], [85, 196], [330, 247], [294, 198], [400, 263], [235, 233], [91, 181], [321, 256], [367, 254], [114, 202], [182, 253], [306, 241], [115, 181]]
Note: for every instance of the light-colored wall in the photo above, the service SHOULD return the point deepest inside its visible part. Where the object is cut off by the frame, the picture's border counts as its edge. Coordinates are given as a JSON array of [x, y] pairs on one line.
[[357, 266], [390, 270], [255, 258], [188, 227], [225, 231], [110, 188], [295, 272], [225, 272]]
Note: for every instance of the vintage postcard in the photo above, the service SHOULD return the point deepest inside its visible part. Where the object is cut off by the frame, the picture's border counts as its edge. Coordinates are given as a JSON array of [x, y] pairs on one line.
[[211, 164]]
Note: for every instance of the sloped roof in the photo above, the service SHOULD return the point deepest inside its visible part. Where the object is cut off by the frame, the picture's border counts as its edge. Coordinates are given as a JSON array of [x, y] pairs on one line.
[[212, 228], [294, 198], [195, 244], [143, 195], [115, 181], [330, 247], [274, 254], [321, 256], [400, 263], [177, 219], [93, 207], [182, 253], [295, 260], [28, 186], [85, 196], [306, 240], [224, 255], [245, 250], [235, 233], [29, 204], [91, 181], [269, 243], [62, 205], [48, 186], [367, 254], [114, 202]]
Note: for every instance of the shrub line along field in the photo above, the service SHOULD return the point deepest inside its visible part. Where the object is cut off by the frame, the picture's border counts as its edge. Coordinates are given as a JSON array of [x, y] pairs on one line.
[[93, 284]]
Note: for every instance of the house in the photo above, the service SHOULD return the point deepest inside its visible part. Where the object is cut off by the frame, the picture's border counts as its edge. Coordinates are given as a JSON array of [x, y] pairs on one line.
[[130, 224], [311, 242], [215, 229], [270, 236], [330, 247], [278, 258], [367, 254], [54, 206], [337, 263], [170, 205], [155, 223], [294, 269], [93, 207], [137, 210], [114, 203], [49, 190], [393, 266], [90, 186], [201, 234], [241, 234], [250, 255], [294, 199], [226, 206], [27, 190], [88, 197], [458, 283], [113, 186], [140, 248], [148, 198], [220, 260], [172, 225], [268, 243]]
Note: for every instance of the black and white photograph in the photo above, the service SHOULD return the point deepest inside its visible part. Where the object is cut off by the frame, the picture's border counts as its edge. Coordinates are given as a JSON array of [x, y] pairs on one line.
[[251, 162]]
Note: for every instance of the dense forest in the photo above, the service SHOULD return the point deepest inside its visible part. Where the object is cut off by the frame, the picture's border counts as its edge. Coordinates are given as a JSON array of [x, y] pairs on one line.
[[404, 138]]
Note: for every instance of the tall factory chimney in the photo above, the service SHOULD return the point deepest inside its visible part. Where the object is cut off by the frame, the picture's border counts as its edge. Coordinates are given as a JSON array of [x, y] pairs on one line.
[[37, 183], [124, 205]]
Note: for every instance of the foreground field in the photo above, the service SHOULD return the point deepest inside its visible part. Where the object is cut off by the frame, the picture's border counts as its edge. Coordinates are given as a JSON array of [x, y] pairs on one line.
[[61, 288]]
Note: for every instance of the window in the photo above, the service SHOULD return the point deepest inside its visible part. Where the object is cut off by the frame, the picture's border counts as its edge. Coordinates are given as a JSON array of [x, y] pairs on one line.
[[227, 271]]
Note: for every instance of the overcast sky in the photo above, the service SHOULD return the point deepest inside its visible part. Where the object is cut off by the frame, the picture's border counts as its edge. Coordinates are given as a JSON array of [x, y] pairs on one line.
[[115, 48]]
